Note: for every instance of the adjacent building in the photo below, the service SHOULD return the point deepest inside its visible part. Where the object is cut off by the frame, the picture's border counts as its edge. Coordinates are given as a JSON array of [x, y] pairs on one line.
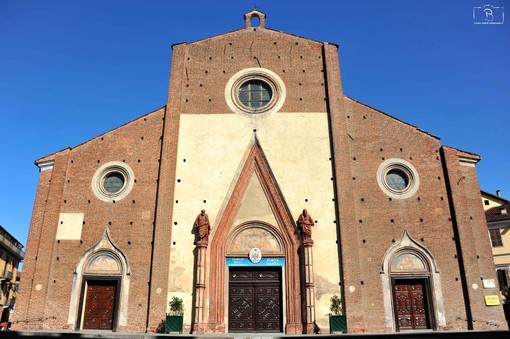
[[490, 200], [256, 193], [498, 220], [11, 255]]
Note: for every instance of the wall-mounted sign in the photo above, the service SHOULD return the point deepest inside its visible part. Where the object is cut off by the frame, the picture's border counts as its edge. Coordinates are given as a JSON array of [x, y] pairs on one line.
[[255, 255], [489, 283], [492, 300], [239, 262]]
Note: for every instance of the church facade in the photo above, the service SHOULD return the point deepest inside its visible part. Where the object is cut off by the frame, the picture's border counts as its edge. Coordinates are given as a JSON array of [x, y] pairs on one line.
[[256, 194]]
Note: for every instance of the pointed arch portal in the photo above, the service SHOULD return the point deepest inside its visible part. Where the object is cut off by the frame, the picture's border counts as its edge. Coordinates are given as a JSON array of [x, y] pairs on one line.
[[238, 231], [411, 287], [100, 288]]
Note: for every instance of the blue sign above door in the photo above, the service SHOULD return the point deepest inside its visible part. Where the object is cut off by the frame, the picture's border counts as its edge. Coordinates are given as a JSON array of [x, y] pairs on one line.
[[263, 262]]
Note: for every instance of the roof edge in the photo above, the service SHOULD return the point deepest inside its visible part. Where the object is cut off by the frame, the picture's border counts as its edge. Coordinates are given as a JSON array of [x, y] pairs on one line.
[[51, 157], [495, 196], [392, 117], [252, 28], [465, 154]]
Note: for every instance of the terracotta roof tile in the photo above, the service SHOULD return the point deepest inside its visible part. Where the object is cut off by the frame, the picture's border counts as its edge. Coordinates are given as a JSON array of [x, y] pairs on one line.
[[498, 213]]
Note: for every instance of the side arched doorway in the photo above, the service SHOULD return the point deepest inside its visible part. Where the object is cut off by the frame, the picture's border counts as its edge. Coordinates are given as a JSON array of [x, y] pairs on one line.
[[411, 287], [100, 291], [410, 281]]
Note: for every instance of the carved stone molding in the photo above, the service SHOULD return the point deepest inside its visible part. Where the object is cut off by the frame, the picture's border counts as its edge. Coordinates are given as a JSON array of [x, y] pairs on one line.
[[254, 163]]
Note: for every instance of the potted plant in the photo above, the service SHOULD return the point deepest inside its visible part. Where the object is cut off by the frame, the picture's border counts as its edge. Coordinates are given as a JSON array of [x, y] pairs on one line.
[[337, 321], [174, 319]]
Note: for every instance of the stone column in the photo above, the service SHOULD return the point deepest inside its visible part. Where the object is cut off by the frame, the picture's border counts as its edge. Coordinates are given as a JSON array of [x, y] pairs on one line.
[[198, 324], [309, 286]]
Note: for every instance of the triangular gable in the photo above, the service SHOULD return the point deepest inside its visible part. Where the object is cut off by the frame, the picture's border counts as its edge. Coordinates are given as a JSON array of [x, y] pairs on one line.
[[255, 166], [254, 204]]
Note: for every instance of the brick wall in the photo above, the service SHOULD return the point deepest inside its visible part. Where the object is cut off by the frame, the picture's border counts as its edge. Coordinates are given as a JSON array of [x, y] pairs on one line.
[[51, 263]]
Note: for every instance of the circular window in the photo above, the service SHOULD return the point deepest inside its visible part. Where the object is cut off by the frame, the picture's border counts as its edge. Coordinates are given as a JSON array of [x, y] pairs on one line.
[[112, 181], [255, 91], [255, 94], [397, 178]]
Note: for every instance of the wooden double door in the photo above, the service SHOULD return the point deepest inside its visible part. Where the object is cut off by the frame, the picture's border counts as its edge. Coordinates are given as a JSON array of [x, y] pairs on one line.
[[412, 304], [255, 299], [100, 304]]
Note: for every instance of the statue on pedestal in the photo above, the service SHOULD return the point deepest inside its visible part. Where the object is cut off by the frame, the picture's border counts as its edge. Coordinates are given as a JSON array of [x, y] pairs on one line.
[[305, 224], [202, 226]]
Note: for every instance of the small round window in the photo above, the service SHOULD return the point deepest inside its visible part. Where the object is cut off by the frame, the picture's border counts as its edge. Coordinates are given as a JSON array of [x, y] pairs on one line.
[[255, 91], [113, 181], [255, 94], [398, 178]]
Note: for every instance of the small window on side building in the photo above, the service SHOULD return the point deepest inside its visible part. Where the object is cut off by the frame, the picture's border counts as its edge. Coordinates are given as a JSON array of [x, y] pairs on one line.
[[496, 240]]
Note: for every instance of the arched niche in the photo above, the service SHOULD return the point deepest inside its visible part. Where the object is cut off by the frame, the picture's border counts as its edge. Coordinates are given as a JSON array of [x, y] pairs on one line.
[[103, 263], [408, 261], [255, 234]]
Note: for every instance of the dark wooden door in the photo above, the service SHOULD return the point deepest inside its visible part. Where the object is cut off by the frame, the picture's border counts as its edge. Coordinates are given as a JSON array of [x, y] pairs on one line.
[[411, 304], [255, 300], [100, 304]]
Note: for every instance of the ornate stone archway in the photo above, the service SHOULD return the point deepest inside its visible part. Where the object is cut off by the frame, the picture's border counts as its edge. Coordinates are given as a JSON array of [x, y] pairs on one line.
[[104, 260], [408, 259], [226, 240]]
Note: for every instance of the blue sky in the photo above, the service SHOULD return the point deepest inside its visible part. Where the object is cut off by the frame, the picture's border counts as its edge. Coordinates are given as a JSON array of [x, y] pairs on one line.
[[71, 70]]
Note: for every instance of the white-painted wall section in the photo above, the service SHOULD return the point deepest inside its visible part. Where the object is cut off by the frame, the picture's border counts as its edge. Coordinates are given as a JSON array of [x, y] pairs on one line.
[[210, 153]]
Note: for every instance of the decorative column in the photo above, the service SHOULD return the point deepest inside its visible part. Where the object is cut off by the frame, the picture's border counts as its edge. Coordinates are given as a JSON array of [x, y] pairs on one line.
[[305, 224], [202, 227], [198, 324], [309, 286]]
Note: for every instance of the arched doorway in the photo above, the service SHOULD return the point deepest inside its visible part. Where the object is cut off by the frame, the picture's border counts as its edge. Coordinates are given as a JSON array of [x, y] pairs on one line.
[[411, 287], [255, 282], [410, 280], [99, 296], [101, 290]]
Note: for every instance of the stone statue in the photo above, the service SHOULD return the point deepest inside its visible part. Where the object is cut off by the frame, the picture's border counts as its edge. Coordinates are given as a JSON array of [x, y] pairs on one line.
[[305, 224], [203, 226]]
